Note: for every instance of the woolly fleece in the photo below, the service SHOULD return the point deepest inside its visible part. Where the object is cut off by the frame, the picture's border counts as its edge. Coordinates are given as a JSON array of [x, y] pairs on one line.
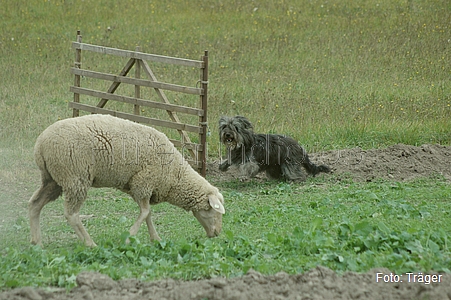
[[105, 151]]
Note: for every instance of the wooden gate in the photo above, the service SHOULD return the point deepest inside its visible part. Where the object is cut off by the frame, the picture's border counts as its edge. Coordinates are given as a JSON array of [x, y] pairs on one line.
[[197, 151]]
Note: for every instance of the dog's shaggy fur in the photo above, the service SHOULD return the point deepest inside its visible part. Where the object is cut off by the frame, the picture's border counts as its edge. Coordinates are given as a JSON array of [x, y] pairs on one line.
[[280, 156]]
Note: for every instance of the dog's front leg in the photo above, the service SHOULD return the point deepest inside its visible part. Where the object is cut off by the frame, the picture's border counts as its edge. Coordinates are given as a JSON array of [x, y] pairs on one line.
[[224, 166]]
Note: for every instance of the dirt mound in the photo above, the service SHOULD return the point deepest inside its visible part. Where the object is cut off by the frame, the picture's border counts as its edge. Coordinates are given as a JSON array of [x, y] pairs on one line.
[[398, 162], [319, 283]]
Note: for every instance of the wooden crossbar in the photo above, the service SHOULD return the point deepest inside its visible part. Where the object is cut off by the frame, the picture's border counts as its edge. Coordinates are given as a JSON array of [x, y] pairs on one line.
[[137, 101], [116, 84], [132, 117], [138, 55], [138, 60], [140, 82], [163, 97]]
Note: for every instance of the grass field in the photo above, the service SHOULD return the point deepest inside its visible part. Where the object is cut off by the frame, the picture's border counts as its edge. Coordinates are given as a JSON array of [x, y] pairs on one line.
[[269, 227], [332, 74]]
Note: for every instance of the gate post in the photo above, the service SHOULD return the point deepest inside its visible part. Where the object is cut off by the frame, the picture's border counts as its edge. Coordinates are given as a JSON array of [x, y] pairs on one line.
[[203, 119], [137, 87], [77, 82]]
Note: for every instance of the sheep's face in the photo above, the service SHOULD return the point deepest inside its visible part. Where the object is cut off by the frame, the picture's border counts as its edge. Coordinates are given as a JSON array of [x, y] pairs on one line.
[[211, 219]]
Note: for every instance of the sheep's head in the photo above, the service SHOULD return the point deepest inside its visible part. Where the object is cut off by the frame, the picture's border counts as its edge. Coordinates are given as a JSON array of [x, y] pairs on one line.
[[211, 219]]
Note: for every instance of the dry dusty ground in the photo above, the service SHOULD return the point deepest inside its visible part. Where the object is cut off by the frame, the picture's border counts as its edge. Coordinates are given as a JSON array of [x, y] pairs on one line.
[[398, 163]]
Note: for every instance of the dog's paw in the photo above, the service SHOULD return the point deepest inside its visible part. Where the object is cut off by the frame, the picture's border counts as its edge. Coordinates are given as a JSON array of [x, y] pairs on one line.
[[244, 179], [224, 166]]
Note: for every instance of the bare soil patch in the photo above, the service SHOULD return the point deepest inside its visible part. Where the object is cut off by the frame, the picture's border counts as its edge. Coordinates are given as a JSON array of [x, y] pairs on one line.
[[398, 163], [318, 283]]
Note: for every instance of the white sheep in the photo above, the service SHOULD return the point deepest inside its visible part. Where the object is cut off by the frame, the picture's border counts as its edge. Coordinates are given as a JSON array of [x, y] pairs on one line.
[[104, 151]]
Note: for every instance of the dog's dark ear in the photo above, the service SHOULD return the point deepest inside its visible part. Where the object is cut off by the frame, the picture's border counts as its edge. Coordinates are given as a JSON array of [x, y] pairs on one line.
[[245, 123]]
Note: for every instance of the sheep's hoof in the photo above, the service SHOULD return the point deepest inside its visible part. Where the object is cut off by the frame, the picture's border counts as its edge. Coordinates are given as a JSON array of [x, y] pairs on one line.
[[39, 244], [91, 244]]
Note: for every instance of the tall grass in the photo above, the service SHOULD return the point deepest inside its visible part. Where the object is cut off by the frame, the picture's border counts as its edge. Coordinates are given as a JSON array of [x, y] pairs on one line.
[[332, 74]]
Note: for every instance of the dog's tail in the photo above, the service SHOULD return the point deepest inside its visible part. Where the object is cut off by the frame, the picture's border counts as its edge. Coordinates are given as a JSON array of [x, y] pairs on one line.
[[314, 169]]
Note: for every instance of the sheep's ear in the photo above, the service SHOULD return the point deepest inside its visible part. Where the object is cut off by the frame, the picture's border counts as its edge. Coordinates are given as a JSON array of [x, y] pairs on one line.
[[216, 204]]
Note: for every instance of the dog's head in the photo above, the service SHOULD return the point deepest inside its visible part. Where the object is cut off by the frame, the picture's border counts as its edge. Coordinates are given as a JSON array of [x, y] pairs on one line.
[[235, 131]]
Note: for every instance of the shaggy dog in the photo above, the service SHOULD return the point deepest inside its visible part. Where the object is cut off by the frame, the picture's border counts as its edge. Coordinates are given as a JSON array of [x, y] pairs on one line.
[[280, 156]]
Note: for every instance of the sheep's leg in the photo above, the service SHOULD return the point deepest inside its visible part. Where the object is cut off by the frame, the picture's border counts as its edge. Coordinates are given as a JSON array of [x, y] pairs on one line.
[[143, 198], [144, 208], [48, 192], [72, 205], [152, 232]]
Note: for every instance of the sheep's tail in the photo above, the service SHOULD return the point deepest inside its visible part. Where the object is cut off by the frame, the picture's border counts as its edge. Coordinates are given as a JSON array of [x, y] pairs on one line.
[[46, 177], [39, 158]]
